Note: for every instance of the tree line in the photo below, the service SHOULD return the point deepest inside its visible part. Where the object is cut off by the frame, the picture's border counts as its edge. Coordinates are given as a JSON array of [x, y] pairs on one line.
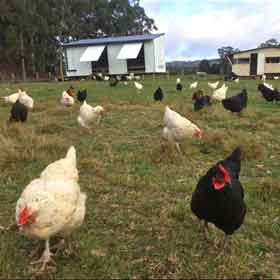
[[31, 30]]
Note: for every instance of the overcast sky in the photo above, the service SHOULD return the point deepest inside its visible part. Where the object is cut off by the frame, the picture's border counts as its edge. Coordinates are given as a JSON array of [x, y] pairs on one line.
[[196, 28]]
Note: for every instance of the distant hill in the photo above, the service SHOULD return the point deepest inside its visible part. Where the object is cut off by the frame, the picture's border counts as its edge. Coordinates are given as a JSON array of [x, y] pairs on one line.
[[188, 66]]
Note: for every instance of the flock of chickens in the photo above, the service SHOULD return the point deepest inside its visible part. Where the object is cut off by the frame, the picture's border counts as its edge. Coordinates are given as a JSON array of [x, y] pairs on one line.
[[54, 204]]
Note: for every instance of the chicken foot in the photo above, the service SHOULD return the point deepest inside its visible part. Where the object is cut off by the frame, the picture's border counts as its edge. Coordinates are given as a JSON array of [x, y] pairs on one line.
[[45, 258]]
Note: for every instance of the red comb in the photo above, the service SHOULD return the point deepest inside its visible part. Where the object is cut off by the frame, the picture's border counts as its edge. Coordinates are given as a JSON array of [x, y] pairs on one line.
[[218, 184], [199, 133], [22, 218], [226, 174]]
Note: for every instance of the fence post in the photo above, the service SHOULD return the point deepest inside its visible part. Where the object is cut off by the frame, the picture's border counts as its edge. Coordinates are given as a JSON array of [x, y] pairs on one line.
[[13, 77], [154, 77], [37, 76], [50, 75]]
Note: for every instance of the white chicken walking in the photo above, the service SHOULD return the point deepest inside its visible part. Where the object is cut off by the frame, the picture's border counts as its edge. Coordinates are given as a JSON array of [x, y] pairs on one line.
[[194, 85], [67, 99], [52, 204], [89, 114], [177, 128], [138, 86], [220, 93], [213, 85]]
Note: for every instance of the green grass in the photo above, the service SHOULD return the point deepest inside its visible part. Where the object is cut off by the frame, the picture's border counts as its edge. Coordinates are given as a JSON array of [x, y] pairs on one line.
[[138, 222]]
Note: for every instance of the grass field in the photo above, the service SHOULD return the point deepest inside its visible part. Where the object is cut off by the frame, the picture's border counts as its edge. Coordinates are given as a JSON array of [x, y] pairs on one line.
[[138, 222]]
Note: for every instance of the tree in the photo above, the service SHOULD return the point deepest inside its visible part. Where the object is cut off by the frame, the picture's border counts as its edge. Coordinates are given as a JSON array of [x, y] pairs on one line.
[[226, 55], [204, 66], [269, 43], [32, 30]]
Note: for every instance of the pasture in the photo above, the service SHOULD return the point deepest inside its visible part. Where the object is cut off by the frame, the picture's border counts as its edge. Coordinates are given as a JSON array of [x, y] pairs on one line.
[[138, 222]]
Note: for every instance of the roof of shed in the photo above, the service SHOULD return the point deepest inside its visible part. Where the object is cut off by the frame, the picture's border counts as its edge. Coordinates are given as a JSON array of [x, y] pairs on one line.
[[113, 40], [255, 49]]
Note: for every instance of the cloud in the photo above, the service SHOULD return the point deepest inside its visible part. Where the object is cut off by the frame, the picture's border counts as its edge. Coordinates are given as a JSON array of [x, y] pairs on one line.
[[197, 31]]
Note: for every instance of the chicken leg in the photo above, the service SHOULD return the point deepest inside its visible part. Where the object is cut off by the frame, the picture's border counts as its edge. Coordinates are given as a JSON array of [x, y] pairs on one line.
[[178, 148], [46, 257], [205, 231]]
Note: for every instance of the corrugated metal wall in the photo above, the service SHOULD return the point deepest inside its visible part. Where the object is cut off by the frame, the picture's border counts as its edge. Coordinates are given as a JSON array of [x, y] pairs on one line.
[[154, 59], [116, 66], [73, 61], [160, 55], [149, 51]]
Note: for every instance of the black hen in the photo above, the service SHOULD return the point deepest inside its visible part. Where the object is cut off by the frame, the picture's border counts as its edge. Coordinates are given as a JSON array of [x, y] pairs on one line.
[[201, 102], [236, 103], [158, 94], [219, 195], [19, 112], [179, 87], [269, 94], [82, 95], [113, 82]]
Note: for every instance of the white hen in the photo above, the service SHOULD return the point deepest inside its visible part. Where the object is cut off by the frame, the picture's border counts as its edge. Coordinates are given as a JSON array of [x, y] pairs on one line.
[[52, 204], [88, 114], [177, 128], [194, 85], [25, 99], [138, 86], [66, 99], [236, 80], [276, 77], [213, 85], [220, 93]]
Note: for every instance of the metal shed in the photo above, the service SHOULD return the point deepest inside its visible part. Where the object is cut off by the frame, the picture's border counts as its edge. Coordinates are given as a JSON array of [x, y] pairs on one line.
[[115, 55], [256, 62]]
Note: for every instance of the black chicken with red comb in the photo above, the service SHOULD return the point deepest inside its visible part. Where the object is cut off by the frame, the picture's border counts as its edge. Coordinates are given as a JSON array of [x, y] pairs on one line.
[[219, 196]]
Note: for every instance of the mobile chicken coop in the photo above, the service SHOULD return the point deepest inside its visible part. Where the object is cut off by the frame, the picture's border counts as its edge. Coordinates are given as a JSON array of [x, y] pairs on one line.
[[115, 55], [257, 62]]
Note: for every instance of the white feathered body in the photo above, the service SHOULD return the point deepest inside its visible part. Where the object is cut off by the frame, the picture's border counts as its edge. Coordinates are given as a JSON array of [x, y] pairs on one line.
[[89, 114], [213, 85], [177, 127], [138, 86], [194, 85], [220, 93], [56, 199], [66, 99], [268, 86], [12, 98], [25, 99]]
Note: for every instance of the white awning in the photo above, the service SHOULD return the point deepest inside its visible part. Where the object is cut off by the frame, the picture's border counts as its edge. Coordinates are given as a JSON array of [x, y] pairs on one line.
[[92, 53], [130, 51]]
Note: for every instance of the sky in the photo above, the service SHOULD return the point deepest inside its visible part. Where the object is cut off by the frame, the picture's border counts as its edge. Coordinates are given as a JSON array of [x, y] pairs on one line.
[[195, 29]]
